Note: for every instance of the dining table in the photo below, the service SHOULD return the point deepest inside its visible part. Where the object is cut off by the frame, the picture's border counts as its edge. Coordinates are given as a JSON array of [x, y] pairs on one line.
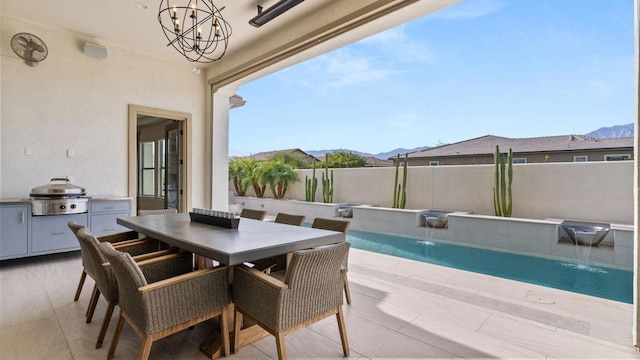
[[251, 240]]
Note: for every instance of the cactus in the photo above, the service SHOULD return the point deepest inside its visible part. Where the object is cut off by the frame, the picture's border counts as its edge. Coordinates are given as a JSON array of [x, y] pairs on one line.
[[400, 190], [327, 182], [311, 185], [502, 200]]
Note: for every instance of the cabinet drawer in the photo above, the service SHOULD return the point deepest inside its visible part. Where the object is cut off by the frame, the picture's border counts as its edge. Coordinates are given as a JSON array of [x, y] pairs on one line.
[[111, 206], [106, 224], [51, 233]]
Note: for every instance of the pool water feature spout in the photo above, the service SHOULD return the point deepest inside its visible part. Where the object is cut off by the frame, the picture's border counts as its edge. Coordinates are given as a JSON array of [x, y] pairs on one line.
[[437, 219], [585, 233]]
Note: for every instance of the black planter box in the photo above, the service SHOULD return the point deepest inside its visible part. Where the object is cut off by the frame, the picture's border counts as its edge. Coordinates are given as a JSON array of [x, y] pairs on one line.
[[215, 220]]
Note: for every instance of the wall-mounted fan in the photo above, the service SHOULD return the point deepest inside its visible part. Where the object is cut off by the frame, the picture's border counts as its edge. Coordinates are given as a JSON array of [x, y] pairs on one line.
[[29, 47]]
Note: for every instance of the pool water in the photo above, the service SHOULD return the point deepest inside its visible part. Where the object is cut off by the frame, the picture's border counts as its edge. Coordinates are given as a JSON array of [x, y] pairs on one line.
[[586, 279]]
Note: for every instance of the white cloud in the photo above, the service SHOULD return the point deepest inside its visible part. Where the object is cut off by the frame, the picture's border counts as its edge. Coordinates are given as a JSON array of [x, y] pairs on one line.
[[397, 44], [341, 68], [469, 9], [370, 60]]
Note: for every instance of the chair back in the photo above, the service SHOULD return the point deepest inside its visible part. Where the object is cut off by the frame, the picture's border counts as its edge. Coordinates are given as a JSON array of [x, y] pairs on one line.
[[315, 282], [157, 212], [334, 225], [104, 277], [253, 214], [75, 226], [331, 224], [88, 268], [289, 219], [129, 279]]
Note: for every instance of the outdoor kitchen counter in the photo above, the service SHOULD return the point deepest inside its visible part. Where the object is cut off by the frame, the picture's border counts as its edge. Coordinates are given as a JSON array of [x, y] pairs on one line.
[[91, 199], [15, 201], [108, 198], [23, 234]]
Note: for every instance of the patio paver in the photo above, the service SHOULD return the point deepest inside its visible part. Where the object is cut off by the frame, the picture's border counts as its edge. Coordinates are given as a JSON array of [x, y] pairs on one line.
[[401, 309]]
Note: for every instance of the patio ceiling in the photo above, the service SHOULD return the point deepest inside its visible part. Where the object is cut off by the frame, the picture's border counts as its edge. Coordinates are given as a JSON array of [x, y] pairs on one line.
[[133, 24]]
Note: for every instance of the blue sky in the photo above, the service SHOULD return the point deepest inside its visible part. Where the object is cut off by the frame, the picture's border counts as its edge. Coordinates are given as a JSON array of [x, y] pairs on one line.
[[515, 68]]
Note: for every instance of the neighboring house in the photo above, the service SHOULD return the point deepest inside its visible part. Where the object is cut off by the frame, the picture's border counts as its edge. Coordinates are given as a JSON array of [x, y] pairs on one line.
[[565, 148], [375, 162], [268, 154]]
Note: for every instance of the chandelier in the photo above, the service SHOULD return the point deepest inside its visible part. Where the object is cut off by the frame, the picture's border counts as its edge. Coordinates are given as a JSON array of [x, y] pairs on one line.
[[196, 29]]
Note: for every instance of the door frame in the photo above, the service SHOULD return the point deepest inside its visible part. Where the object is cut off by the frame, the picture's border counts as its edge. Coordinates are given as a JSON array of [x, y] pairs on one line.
[[185, 173]]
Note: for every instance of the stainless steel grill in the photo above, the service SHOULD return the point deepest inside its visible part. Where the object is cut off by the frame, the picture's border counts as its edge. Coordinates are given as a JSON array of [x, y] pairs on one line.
[[58, 198]]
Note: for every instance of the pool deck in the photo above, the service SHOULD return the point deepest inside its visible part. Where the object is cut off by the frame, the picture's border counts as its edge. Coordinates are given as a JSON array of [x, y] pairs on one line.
[[401, 309]]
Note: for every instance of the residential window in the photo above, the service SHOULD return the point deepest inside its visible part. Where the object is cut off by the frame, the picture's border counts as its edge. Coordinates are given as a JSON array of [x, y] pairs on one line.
[[152, 170], [617, 157], [147, 168], [519, 160], [162, 160], [580, 158], [434, 163]]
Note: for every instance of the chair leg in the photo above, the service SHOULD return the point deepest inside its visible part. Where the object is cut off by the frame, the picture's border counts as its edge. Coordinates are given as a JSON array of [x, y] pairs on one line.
[[237, 325], [93, 303], [224, 329], [347, 292], [343, 332], [105, 324], [145, 349], [116, 336], [93, 295], [282, 351], [80, 285]]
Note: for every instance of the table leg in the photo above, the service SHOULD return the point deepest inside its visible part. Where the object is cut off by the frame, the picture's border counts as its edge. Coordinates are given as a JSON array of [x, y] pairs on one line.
[[212, 345]]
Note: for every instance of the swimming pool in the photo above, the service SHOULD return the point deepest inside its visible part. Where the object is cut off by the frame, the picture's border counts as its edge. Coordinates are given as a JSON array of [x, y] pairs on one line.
[[597, 281]]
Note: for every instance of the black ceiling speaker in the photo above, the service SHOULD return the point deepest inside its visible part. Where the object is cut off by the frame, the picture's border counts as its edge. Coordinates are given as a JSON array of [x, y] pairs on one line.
[[264, 16]]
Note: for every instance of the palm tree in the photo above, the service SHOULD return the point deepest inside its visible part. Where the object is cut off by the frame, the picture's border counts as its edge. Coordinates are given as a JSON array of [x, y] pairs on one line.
[[255, 177], [239, 170], [279, 175]]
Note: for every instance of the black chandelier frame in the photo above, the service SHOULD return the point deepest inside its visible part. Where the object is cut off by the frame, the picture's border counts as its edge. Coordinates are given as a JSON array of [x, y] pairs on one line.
[[196, 30]]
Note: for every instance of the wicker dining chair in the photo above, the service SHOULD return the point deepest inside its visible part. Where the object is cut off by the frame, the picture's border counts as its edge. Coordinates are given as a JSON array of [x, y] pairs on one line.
[[310, 292], [129, 241], [253, 214], [157, 309], [105, 280], [278, 263], [289, 219], [340, 226]]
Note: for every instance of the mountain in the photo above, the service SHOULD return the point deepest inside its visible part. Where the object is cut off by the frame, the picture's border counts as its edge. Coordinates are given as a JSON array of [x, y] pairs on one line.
[[617, 131], [382, 155]]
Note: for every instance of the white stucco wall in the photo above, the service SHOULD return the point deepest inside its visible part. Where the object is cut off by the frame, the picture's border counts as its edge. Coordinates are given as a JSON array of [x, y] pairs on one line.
[[600, 191], [74, 102]]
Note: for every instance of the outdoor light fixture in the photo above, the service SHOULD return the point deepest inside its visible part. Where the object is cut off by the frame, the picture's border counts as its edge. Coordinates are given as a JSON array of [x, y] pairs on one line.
[[271, 13], [197, 30]]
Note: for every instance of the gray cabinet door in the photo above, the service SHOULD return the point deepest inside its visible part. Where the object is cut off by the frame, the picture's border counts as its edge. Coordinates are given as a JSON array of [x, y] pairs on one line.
[[51, 233], [14, 232], [104, 224], [103, 216]]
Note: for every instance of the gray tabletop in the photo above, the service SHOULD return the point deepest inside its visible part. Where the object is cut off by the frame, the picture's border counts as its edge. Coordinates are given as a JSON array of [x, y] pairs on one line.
[[252, 240]]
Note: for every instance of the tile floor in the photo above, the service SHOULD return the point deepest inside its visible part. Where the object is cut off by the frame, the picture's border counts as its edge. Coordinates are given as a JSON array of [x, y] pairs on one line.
[[401, 309]]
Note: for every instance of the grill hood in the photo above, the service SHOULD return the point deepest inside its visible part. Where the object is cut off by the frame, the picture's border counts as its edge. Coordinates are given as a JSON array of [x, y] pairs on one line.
[[58, 187]]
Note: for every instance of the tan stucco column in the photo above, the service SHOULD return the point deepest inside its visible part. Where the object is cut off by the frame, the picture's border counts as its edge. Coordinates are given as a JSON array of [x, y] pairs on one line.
[[220, 147], [636, 185]]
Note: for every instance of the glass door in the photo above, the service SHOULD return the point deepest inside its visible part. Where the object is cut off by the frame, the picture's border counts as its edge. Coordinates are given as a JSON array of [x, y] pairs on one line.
[[172, 161]]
